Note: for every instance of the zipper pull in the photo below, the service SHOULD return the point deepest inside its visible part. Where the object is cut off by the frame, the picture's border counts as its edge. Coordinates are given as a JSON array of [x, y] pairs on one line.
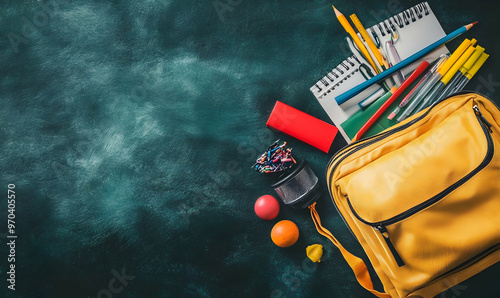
[[393, 250], [480, 115]]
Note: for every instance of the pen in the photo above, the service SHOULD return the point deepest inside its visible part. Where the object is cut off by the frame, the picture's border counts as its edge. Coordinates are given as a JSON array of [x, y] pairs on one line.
[[372, 98], [420, 69], [452, 84], [393, 58], [416, 91], [453, 75], [434, 95]]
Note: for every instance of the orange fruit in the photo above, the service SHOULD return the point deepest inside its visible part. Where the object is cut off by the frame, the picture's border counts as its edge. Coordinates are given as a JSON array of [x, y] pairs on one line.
[[285, 233]]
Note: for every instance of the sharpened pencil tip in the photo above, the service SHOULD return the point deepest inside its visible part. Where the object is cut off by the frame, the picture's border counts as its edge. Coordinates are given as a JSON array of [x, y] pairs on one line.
[[470, 25], [337, 12]]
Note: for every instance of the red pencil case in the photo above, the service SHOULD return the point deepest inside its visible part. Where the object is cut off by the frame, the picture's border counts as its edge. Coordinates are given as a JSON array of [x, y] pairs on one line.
[[302, 126]]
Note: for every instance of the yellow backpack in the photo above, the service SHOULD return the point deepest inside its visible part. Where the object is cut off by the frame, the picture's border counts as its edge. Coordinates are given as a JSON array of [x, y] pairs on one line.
[[423, 198]]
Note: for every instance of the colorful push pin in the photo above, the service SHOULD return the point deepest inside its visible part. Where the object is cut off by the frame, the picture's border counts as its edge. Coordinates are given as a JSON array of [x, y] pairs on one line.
[[285, 233], [267, 207]]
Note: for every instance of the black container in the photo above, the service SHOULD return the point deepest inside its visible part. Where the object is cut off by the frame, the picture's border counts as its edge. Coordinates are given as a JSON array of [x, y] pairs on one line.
[[298, 187]]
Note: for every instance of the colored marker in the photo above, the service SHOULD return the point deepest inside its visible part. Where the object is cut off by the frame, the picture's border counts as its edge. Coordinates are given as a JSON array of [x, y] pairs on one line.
[[460, 75], [393, 58], [472, 72], [434, 95], [457, 74]]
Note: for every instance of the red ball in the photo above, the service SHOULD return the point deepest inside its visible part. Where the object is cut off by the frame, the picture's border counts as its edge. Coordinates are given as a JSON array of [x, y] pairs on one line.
[[267, 207]]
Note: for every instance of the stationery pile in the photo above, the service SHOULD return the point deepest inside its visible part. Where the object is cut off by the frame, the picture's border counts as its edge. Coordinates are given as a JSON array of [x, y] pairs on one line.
[[389, 58]]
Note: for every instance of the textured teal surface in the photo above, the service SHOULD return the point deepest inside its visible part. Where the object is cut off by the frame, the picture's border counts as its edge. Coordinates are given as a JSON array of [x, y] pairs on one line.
[[129, 129]]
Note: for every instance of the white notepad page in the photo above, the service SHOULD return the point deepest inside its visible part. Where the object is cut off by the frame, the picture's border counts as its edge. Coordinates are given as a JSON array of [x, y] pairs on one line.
[[339, 80], [417, 27]]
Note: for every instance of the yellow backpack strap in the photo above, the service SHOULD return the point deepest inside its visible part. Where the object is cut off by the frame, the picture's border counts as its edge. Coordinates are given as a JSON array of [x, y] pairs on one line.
[[357, 265]]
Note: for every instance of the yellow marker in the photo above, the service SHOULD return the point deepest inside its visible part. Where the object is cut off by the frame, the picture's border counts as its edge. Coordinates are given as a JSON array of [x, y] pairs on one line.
[[343, 21], [454, 57], [367, 39], [472, 71], [459, 63], [447, 71], [477, 65], [473, 58]]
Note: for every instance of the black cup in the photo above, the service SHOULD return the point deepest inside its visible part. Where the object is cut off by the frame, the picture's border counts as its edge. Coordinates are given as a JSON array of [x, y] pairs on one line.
[[298, 187]]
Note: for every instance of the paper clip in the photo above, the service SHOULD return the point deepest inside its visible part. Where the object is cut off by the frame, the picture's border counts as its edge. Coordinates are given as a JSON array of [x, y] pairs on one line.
[[375, 37], [394, 34], [366, 71]]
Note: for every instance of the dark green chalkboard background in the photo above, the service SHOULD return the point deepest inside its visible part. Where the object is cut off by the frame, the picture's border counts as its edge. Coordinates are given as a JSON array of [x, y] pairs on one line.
[[129, 129]]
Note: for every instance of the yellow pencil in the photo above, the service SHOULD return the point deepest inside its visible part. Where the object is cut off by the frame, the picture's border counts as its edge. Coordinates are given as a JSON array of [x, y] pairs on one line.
[[368, 40], [343, 21]]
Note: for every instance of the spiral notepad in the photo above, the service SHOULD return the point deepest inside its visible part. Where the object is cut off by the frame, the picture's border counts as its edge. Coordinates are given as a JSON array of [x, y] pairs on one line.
[[342, 78], [417, 28]]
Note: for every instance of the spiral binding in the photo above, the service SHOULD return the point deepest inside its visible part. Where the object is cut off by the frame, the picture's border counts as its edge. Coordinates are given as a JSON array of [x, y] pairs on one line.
[[404, 18], [355, 58], [345, 69], [399, 21]]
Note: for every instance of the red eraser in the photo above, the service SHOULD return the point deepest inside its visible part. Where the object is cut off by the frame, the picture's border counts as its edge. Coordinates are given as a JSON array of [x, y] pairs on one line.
[[302, 126]]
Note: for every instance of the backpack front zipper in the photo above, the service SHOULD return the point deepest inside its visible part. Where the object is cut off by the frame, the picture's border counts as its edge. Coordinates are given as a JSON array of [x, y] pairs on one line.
[[381, 226]]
